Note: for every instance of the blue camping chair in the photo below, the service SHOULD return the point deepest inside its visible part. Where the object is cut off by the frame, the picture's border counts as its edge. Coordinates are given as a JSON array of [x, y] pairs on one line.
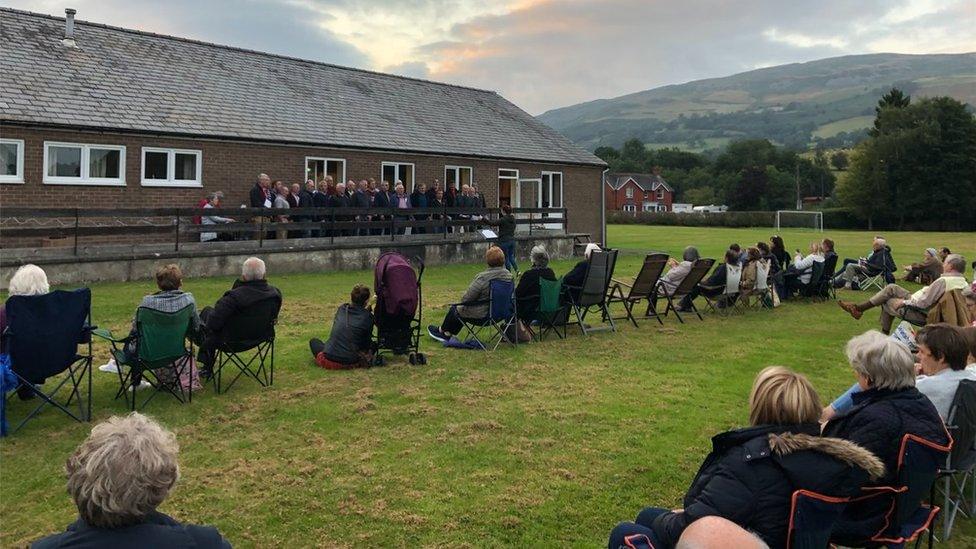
[[42, 338], [812, 518], [501, 315]]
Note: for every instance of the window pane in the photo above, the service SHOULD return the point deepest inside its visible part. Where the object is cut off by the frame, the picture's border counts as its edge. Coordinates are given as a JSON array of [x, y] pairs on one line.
[[545, 201], [103, 163], [334, 168], [450, 178], [185, 167], [155, 166], [389, 175], [465, 176], [557, 190], [64, 161], [314, 170], [406, 175], [8, 159]]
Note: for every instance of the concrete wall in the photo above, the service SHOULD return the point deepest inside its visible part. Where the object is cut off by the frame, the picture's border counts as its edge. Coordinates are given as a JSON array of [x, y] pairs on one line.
[[87, 270]]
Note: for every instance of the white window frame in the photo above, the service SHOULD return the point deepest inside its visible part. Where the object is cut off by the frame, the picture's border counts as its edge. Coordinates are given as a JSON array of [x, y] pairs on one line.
[[171, 168], [342, 178], [629, 192], [84, 179], [17, 178], [398, 176], [660, 194], [562, 187], [511, 175], [457, 175], [630, 208]]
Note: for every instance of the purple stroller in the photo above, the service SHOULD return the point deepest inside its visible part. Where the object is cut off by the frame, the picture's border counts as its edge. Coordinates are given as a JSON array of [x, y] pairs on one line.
[[398, 307]]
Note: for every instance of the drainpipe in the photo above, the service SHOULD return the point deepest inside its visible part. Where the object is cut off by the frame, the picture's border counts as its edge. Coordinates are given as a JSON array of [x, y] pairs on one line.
[[603, 204]]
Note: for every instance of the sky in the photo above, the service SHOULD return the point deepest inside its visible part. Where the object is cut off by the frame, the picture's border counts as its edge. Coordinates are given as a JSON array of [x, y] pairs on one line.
[[544, 54]]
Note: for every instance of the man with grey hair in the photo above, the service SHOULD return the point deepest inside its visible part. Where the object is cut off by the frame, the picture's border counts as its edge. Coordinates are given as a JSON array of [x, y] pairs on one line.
[[250, 295], [117, 478], [896, 301]]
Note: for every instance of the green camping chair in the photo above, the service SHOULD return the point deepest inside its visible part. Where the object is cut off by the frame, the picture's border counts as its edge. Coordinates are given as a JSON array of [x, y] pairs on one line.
[[552, 314], [158, 352]]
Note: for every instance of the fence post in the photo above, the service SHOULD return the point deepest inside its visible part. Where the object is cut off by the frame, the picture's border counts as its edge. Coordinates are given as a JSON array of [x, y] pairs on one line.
[[565, 221], [531, 219], [331, 225], [261, 232], [177, 246], [444, 219], [76, 231], [392, 225]]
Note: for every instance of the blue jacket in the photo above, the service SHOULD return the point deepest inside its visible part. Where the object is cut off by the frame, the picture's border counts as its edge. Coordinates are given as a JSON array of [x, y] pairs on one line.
[[158, 531]]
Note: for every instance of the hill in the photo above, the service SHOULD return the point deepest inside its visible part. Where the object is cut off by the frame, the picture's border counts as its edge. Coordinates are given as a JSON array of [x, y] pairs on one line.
[[829, 99]]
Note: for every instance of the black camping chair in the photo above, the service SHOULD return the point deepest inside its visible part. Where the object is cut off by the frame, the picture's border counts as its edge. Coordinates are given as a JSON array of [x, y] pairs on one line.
[[810, 290], [643, 287], [42, 338], [501, 315], [593, 294], [249, 330], [812, 519], [956, 476], [825, 288], [691, 280], [159, 352]]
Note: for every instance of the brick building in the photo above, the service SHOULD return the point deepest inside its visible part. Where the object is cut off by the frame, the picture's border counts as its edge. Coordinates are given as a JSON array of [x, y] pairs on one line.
[[99, 116], [635, 192]]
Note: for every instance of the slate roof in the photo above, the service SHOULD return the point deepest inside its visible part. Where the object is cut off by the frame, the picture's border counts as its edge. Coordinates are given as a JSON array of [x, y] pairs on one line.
[[647, 182], [126, 80]]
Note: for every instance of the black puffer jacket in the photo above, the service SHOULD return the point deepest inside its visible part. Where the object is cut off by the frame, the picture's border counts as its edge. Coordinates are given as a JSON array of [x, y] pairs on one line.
[[752, 473], [878, 421]]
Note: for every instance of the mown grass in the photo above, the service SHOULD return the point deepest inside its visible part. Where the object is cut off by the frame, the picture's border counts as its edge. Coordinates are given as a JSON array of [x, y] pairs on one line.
[[545, 444]]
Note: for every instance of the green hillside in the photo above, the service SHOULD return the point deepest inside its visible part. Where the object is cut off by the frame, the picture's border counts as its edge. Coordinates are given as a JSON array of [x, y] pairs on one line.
[[829, 99]]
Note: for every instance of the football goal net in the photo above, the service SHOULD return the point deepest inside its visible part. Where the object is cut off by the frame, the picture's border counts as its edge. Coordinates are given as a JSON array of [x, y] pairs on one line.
[[798, 219]]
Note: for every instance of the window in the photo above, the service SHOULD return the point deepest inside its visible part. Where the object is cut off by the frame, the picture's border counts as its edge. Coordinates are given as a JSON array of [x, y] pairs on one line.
[[395, 171], [552, 190], [171, 168], [508, 188], [457, 176], [11, 161], [660, 194], [650, 207], [83, 164], [630, 208], [317, 168], [630, 192]]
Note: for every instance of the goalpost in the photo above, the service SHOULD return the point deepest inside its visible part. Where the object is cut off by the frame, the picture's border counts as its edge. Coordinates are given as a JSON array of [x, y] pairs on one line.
[[799, 219]]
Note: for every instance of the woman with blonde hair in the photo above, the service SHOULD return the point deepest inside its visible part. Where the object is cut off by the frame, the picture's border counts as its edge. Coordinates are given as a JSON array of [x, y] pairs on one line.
[[117, 478], [751, 474], [800, 273]]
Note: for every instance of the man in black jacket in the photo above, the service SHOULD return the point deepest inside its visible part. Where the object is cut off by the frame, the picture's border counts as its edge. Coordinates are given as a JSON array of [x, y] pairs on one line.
[[252, 290], [382, 203], [362, 199]]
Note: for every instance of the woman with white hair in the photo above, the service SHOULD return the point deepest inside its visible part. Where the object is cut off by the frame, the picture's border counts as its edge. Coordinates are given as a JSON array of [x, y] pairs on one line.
[[888, 408], [213, 201], [573, 280], [117, 478], [924, 272], [27, 280], [527, 292]]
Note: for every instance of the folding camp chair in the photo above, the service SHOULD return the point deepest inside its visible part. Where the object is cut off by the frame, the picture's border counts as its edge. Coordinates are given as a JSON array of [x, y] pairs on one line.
[[762, 291], [253, 329], [690, 281], [501, 315], [957, 473], [812, 519], [918, 316], [811, 289], [724, 303], [552, 314], [874, 279], [594, 292], [643, 287], [825, 288], [158, 352], [42, 338]]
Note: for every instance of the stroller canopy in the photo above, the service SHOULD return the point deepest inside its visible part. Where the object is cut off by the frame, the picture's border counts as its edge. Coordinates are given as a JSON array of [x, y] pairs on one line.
[[396, 287]]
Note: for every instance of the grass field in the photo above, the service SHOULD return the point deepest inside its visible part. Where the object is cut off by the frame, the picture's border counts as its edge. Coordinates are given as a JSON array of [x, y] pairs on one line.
[[546, 444]]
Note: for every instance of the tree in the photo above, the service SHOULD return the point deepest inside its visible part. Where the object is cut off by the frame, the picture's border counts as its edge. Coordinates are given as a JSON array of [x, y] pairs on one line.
[[700, 196], [894, 99], [607, 154], [839, 160]]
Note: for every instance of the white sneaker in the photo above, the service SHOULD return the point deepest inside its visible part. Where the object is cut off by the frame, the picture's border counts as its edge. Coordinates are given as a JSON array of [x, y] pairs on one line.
[[143, 384], [110, 367]]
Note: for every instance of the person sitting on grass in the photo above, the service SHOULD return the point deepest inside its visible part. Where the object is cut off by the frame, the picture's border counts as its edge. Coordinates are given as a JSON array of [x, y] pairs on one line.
[[573, 280], [751, 474], [527, 291], [942, 358], [926, 271], [894, 299], [117, 478], [800, 273], [351, 339], [477, 294], [888, 407], [248, 291]]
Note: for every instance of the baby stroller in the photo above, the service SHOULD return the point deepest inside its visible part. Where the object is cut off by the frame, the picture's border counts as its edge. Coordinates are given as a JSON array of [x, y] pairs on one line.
[[398, 307]]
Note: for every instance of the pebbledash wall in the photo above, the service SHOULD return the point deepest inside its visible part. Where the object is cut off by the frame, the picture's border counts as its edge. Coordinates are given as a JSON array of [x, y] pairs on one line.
[[232, 167]]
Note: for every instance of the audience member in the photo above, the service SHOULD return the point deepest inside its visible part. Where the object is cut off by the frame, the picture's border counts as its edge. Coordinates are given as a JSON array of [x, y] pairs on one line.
[[800, 273], [250, 289], [350, 340], [877, 261], [969, 294], [117, 478], [573, 280], [750, 271], [893, 299], [778, 248], [677, 271], [714, 285], [27, 280], [969, 335], [888, 408], [926, 271], [527, 291], [828, 248], [944, 253], [718, 533], [751, 474], [474, 302]]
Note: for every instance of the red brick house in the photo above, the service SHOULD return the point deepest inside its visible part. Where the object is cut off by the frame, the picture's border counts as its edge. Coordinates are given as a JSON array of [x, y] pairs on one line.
[[637, 192], [94, 116]]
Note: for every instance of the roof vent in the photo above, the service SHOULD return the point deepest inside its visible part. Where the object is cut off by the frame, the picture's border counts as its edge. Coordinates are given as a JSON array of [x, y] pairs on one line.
[[69, 28]]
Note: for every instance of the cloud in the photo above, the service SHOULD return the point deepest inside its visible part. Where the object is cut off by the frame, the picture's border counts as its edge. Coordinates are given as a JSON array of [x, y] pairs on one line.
[[413, 69]]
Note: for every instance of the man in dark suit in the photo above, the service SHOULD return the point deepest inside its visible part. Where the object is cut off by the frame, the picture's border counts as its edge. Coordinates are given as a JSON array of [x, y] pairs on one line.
[[261, 197], [362, 199], [381, 203], [320, 199], [339, 200]]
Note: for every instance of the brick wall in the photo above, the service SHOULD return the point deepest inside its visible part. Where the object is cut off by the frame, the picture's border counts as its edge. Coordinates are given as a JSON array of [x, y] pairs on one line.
[[232, 167]]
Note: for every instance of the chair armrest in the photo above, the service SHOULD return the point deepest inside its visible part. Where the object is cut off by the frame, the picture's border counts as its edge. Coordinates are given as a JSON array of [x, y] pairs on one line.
[[621, 282], [711, 287], [907, 308], [107, 335], [471, 303]]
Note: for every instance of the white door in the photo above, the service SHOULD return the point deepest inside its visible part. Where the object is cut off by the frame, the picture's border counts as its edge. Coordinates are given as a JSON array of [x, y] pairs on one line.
[[550, 195], [524, 186]]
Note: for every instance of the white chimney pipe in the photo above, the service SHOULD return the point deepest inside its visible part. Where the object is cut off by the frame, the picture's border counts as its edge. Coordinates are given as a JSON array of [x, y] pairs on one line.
[[69, 27]]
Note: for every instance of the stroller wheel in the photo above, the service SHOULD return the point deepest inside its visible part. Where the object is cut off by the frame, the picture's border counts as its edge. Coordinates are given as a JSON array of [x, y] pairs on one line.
[[412, 358], [421, 359]]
